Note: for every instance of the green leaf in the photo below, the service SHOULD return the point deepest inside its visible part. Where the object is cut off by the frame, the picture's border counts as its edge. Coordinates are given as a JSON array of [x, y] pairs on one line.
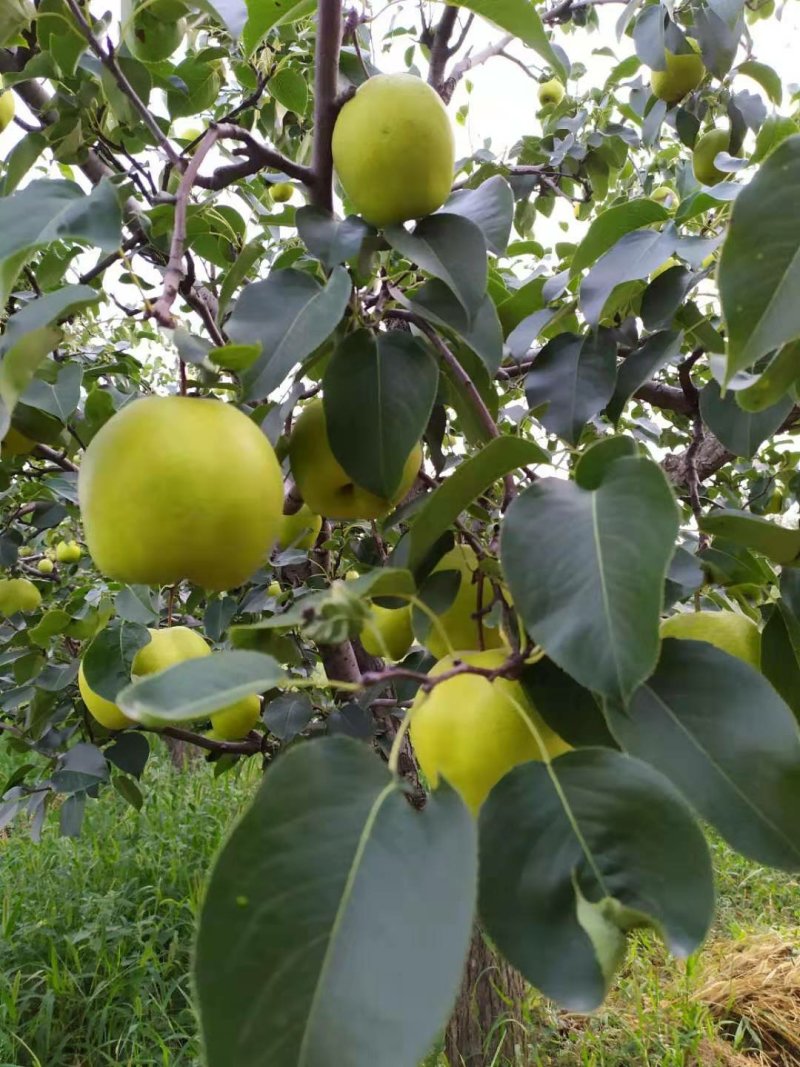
[[576, 853], [129, 791], [304, 947], [15, 16], [521, 18], [780, 642], [108, 659], [450, 248], [81, 767], [483, 335], [565, 706], [778, 543], [20, 159], [329, 239], [575, 377], [719, 731], [472, 477], [289, 88], [378, 399], [47, 211], [773, 382], [202, 84], [264, 14], [60, 399], [233, 14], [130, 753], [196, 687], [586, 571], [640, 366], [288, 715], [767, 78], [612, 224], [665, 295], [635, 255], [28, 337], [594, 462], [52, 622], [290, 314], [759, 270], [742, 432], [490, 206]]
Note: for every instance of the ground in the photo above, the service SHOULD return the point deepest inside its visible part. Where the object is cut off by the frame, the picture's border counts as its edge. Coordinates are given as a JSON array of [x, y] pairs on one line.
[[96, 933]]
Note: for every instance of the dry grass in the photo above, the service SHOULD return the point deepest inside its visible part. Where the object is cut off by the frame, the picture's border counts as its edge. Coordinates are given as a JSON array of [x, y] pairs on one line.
[[752, 988]]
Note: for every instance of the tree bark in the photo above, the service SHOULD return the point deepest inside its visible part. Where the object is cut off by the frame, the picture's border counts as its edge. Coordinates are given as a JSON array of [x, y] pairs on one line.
[[487, 1018]]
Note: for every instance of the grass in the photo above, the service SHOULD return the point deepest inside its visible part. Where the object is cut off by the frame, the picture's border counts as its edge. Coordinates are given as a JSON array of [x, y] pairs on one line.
[[96, 933]]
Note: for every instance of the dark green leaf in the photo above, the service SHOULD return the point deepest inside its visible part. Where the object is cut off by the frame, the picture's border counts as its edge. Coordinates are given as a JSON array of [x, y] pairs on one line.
[[71, 815], [773, 382], [490, 207], [593, 463], [742, 432], [640, 366], [290, 315], [329, 239], [81, 767], [586, 571], [196, 687], [304, 942], [767, 78], [635, 255], [565, 706], [664, 295], [378, 399], [759, 271], [483, 334], [129, 791], [130, 753], [288, 715], [472, 477], [612, 224], [351, 720], [108, 659], [450, 248], [780, 642], [576, 853], [719, 731], [575, 377], [778, 543]]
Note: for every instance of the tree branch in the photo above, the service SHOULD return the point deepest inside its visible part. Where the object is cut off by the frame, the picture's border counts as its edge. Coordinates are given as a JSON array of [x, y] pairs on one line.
[[478, 58], [108, 59], [326, 105], [258, 157], [440, 50]]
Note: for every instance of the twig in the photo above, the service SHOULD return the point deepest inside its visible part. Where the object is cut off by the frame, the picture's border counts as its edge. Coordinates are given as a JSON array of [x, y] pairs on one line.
[[249, 747], [55, 457], [174, 274], [109, 61], [478, 58], [258, 157], [326, 105]]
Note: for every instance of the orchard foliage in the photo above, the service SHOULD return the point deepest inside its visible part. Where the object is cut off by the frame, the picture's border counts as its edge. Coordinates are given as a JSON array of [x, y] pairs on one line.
[[607, 424]]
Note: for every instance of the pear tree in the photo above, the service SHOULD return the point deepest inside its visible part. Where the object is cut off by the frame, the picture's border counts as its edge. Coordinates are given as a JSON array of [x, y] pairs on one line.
[[454, 482]]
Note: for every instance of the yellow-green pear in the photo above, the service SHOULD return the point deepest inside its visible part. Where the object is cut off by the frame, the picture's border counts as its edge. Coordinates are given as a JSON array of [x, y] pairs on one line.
[[167, 647], [460, 621], [551, 93], [664, 195], [682, 75], [68, 552], [388, 632], [705, 152], [179, 487], [16, 444], [324, 484], [300, 530], [274, 589], [45, 566], [393, 149], [734, 633], [237, 720], [471, 731], [281, 192], [18, 594], [7, 109], [105, 711]]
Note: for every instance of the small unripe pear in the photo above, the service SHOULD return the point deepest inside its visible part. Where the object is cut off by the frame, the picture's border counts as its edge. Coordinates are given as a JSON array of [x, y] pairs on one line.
[[551, 93]]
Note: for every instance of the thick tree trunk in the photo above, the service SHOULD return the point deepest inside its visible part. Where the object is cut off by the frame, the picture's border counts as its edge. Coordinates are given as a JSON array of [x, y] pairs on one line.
[[181, 753], [488, 1014]]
